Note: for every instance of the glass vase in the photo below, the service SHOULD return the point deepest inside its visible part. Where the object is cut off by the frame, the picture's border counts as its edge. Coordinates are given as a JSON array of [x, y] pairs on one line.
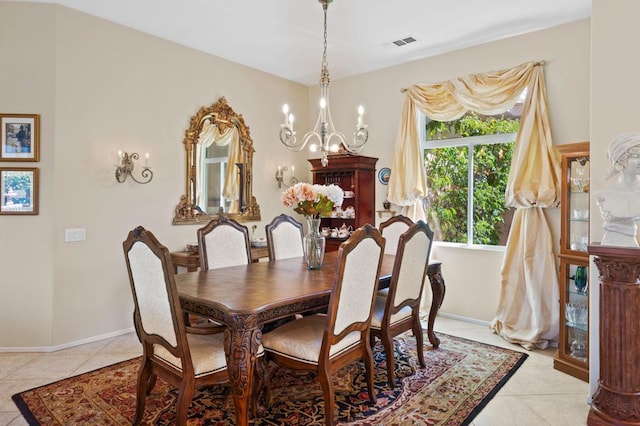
[[580, 279], [314, 244]]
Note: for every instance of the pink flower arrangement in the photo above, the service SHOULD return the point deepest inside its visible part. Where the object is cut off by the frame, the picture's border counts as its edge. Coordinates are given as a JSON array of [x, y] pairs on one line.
[[313, 200]]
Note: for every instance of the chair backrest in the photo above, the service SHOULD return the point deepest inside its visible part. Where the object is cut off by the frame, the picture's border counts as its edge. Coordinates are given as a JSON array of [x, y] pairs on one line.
[[391, 230], [410, 268], [223, 242], [284, 238], [355, 285], [157, 311]]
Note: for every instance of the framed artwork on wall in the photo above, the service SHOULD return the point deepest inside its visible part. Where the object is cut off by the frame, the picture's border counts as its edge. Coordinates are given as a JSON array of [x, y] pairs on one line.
[[19, 191], [20, 137]]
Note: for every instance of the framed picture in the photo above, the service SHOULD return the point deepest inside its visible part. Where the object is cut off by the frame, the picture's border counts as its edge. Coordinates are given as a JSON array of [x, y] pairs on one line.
[[20, 137], [19, 190]]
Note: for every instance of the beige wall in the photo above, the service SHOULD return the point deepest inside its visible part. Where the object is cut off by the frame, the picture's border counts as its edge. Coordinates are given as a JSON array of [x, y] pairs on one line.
[[27, 85], [614, 110], [101, 87]]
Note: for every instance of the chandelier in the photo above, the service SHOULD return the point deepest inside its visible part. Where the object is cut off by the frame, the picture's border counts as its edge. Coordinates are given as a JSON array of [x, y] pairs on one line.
[[324, 131]]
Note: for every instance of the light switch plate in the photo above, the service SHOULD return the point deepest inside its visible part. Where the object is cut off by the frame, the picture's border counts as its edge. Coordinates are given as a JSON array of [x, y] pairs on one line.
[[75, 234]]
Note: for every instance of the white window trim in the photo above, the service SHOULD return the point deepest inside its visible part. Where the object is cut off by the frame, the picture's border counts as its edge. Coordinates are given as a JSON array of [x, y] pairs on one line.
[[223, 170]]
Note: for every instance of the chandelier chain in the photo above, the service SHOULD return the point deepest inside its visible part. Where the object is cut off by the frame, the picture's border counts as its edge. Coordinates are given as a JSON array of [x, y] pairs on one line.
[[324, 74], [324, 134]]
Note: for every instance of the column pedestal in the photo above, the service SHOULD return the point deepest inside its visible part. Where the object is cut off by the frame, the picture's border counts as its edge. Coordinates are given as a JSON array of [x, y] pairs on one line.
[[617, 399]]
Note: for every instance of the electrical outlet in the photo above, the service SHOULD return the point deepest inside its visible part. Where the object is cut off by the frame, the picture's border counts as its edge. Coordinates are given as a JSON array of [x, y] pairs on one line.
[[75, 234]]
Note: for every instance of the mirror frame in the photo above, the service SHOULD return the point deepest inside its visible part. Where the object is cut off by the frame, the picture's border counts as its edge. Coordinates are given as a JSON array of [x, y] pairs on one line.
[[186, 212]]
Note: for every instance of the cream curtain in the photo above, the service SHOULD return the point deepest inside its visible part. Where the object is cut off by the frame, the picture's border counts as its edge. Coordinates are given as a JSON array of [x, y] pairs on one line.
[[209, 135], [527, 312], [408, 181]]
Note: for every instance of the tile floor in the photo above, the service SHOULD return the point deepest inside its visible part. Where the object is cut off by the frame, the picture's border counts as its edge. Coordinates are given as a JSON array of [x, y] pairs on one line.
[[536, 395]]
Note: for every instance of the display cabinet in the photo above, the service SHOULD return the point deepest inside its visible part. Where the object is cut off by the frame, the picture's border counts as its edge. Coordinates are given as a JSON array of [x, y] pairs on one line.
[[356, 175], [572, 356]]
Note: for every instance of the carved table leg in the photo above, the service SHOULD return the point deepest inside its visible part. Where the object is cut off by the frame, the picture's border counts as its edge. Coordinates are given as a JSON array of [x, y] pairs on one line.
[[241, 341], [437, 289]]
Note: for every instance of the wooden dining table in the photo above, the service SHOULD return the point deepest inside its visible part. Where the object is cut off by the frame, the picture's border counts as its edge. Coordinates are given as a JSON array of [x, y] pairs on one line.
[[248, 296]]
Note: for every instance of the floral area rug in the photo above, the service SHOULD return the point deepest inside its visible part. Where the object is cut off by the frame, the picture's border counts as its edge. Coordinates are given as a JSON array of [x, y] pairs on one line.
[[461, 377]]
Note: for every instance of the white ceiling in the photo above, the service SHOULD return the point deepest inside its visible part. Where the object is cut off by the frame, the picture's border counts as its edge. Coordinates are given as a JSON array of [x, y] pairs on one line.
[[284, 37]]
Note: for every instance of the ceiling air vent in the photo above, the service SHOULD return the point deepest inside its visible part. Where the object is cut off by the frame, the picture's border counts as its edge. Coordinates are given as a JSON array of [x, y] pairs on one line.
[[404, 41]]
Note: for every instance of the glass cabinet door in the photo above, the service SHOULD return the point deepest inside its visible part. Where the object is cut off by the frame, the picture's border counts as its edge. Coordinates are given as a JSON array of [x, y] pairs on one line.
[[573, 340], [577, 210], [576, 311]]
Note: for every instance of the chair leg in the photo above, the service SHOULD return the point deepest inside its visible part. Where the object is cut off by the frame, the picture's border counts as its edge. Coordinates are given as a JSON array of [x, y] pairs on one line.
[[387, 342], [369, 369], [324, 377], [151, 383], [417, 332], [141, 395], [185, 395], [372, 340]]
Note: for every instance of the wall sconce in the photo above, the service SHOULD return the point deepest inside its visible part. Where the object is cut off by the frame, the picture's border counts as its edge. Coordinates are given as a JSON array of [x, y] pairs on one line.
[[281, 179], [125, 168]]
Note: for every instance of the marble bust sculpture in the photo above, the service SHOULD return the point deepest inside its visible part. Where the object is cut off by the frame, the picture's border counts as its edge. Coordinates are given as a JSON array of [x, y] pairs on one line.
[[620, 204]]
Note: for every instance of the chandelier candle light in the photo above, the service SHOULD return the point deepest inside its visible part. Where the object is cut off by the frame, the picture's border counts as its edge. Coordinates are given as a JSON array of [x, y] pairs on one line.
[[324, 130], [314, 202]]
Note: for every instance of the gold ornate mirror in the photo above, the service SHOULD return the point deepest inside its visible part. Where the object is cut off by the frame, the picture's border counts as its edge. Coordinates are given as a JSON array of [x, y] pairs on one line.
[[219, 154]]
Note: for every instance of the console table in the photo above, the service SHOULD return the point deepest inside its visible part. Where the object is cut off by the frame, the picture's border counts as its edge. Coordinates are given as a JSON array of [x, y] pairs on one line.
[[191, 260], [384, 212]]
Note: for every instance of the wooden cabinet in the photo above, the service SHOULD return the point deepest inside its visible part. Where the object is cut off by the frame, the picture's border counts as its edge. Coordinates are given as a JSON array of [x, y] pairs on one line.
[[572, 356], [354, 174]]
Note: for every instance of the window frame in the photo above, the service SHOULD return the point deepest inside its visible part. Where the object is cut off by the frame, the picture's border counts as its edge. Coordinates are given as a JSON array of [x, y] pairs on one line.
[[470, 142], [223, 161]]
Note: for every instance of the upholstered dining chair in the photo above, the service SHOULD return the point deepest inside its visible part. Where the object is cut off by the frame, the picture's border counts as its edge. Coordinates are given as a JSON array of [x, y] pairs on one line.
[[186, 361], [391, 229], [284, 238], [223, 242], [326, 343], [399, 310]]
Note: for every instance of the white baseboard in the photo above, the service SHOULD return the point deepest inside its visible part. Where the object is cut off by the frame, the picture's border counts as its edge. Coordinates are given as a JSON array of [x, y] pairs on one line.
[[552, 343], [67, 345], [461, 318]]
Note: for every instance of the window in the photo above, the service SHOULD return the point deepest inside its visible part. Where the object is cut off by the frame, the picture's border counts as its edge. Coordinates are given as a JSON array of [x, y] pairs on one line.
[[471, 155], [215, 171]]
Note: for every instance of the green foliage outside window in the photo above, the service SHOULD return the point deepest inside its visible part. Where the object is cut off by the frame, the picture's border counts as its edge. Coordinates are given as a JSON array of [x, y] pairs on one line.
[[447, 192], [447, 180], [490, 173]]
